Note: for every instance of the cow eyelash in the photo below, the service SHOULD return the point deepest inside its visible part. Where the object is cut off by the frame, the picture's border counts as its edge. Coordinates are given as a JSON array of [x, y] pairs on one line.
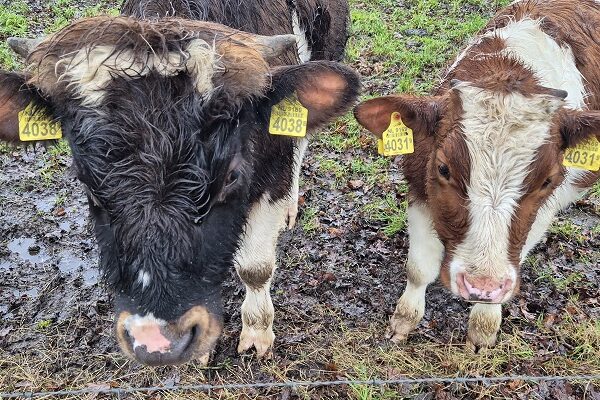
[[546, 183], [232, 177], [92, 196], [444, 171]]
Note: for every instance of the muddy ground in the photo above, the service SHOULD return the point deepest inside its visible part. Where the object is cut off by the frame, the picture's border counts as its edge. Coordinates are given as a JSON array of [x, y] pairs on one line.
[[338, 280]]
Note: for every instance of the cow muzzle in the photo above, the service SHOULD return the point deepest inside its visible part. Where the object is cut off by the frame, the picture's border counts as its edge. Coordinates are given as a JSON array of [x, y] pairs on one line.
[[153, 341], [483, 289]]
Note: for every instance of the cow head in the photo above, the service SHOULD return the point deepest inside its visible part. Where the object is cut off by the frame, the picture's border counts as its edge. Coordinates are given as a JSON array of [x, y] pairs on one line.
[[167, 122], [487, 157]]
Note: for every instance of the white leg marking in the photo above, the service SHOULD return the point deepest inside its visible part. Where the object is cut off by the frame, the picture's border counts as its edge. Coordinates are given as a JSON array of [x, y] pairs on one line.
[[255, 265], [425, 254], [484, 323], [292, 210]]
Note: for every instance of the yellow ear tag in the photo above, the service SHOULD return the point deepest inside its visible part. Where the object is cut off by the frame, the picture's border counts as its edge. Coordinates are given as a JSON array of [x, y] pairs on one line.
[[37, 125], [585, 155], [397, 138], [289, 118], [380, 146]]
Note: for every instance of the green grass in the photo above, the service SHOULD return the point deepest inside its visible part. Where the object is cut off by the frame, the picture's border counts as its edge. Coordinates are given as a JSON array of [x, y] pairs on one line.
[[309, 220], [411, 43], [568, 230], [595, 191], [388, 211], [17, 20], [343, 135], [45, 324], [13, 20]]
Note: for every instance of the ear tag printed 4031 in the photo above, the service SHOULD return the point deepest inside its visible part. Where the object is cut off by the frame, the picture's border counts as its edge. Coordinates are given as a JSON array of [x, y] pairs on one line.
[[289, 118], [396, 139], [35, 125], [585, 155]]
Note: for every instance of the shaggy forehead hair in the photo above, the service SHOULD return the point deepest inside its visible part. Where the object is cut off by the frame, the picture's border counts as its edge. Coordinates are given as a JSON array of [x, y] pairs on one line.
[[154, 164], [84, 57], [503, 133]]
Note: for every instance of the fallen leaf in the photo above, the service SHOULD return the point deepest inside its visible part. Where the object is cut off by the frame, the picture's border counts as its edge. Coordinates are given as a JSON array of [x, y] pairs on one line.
[[329, 277], [335, 232], [330, 366], [355, 184], [549, 320]]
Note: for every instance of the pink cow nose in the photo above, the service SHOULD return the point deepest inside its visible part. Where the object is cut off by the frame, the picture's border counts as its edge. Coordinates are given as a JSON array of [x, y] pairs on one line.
[[483, 289], [154, 344]]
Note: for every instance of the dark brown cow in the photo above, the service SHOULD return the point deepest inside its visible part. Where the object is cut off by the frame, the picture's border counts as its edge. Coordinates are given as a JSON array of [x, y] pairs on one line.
[[487, 175], [168, 120]]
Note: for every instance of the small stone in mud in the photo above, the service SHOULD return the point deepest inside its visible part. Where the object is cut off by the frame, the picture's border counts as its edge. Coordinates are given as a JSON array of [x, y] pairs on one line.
[[53, 236], [416, 32], [34, 249]]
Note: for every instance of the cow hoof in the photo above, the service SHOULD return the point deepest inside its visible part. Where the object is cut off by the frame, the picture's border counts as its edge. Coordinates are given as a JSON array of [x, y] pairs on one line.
[[262, 340], [399, 329], [292, 213], [477, 341], [402, 323], [395, 337], [203, 360]]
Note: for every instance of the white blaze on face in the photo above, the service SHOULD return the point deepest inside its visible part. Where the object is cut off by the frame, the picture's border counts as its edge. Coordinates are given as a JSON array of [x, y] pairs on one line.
[[144, 279], [503, 134], [554, 66]]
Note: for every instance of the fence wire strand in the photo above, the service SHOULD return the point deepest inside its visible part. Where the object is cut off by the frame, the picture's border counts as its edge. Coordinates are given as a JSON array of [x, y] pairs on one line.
[[306, 384]]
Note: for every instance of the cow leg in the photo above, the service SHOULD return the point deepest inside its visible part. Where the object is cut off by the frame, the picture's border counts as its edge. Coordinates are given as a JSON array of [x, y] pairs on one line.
[[423, 267], [292, 210], [484, 323], [255, 266]]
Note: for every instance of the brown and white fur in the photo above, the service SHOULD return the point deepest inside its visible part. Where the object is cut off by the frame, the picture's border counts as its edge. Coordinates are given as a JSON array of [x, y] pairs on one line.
[[486, 177], [166, 110]]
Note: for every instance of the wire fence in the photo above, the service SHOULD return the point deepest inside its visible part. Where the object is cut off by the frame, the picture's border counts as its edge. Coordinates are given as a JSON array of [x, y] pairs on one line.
[[306, 384]]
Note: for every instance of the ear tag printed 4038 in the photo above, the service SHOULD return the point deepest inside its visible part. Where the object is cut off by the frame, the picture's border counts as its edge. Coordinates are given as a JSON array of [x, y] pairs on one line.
[[396, 139], [289, 118], [35, 125], [585, 155]]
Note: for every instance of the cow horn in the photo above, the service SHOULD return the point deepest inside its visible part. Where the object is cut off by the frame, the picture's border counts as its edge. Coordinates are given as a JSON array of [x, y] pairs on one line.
[[561, 94], [22, 46], [274, 46], [455, 82]]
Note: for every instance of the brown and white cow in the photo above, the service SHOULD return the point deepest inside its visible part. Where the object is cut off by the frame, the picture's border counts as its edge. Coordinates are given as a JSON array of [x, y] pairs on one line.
[[168, 123], [487, 176]]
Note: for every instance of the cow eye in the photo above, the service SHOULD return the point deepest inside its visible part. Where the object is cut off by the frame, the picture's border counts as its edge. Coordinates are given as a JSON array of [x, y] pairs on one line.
[[444, 171], [232, 177], [547, 183]]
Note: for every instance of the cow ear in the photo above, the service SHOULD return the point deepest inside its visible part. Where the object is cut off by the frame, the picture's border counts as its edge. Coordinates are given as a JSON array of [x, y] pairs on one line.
[[15, 95], [421, 114], [327, 89], [578, 126]]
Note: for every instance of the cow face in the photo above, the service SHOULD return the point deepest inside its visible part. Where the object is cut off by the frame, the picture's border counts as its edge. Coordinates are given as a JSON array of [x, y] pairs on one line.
[[167, 123], [485, 162]]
